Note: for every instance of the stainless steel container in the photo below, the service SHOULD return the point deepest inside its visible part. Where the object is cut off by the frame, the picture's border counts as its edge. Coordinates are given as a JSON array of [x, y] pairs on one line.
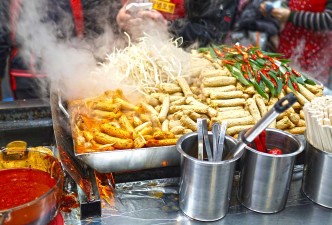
[[205, 187], [317, 176], [265, 179]]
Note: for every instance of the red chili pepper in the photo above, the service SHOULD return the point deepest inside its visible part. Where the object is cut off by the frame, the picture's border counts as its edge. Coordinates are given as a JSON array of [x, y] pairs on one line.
[[295, 86], [218, 52], [259, 54], [262, 137], [243, 68], [265, 70], [275, 151], [285, 87], [253, 56], [296, 73], [238, 48], [227, 62], [246, 76], [258, 77], [287, 74], [273, 82], [274, 66], [258, 144], [250, 69], [245, 57]]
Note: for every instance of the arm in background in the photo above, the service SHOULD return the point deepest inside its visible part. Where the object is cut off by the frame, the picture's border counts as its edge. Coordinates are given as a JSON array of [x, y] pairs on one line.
[[313, 20]]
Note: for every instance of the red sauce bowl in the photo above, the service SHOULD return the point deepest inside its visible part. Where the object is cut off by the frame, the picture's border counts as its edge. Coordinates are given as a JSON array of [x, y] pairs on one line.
[[32, 169]]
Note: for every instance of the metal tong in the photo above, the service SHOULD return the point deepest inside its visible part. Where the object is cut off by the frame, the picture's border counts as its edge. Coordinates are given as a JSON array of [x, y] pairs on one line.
[[218, 134], [247, 137], [203, 139]]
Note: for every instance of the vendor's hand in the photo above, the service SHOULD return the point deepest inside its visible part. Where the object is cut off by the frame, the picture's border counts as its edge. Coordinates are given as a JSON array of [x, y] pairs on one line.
[[123, 18], [281, 14], [152, 14], [263, 9], [127, 20]]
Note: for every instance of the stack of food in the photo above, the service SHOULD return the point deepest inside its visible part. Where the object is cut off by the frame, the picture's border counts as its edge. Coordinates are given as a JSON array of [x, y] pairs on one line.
[[234, 84]]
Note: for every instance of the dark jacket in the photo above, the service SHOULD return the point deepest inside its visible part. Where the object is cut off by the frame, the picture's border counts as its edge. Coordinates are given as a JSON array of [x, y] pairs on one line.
[[59, 14], [252, 20], [206, 21]]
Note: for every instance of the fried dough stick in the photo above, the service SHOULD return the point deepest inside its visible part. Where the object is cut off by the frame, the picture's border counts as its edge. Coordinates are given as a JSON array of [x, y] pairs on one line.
[[114, 131], [117, 143]]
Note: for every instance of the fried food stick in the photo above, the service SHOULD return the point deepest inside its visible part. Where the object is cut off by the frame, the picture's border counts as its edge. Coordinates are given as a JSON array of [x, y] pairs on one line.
[[117, 143], [115, 132]]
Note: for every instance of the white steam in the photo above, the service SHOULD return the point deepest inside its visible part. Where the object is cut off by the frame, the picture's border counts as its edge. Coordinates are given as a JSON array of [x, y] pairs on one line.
[[71, 63], [67, 61]]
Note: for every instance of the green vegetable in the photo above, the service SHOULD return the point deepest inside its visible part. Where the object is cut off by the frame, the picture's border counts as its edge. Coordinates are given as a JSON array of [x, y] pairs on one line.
[[290, 85], [237, 73], [309, 81], [259, 89], [268, 84]]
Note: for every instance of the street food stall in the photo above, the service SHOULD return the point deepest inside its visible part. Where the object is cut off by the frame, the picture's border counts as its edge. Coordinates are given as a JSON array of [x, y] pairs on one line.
[[129, 154]]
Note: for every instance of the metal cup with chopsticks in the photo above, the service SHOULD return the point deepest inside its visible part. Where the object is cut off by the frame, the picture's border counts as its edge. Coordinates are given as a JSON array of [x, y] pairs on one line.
[[317, 173], [205, 186]]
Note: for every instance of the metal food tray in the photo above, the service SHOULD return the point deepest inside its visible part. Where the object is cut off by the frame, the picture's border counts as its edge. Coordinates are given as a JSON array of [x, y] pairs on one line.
[[122, 160], [131, 159]]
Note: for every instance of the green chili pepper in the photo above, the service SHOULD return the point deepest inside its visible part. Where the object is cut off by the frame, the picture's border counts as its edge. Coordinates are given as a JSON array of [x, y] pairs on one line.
[[268, 84], [290, 85], [252, 50], [253, 62], [279, 88], [300, 80], [282, 69], [309, 81], [284, 61], [259, 89], [261, 61], [212, 53], [237, 74], [272, 54]]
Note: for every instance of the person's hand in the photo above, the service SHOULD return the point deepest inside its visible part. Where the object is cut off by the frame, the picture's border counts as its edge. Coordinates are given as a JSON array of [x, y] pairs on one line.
[[281, 14], [127, 20], [264, 9]]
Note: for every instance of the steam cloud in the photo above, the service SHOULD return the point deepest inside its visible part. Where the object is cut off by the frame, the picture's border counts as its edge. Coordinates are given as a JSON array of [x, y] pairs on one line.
[[45, 31], [66, 60]]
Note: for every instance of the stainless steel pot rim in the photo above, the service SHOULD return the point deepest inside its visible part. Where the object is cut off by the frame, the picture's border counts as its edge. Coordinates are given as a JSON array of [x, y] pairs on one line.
[[182, 138], [301, 148], [326, 153]]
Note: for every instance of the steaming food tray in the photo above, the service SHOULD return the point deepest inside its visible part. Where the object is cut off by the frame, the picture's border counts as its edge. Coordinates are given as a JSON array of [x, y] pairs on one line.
[[123, 160]]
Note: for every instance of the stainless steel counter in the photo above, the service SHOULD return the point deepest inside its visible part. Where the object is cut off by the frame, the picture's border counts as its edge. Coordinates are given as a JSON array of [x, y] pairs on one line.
[[150, 201], [156, 202]]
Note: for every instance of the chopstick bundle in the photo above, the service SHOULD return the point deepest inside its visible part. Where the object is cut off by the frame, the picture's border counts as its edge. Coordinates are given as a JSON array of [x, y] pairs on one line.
[[318, 116]]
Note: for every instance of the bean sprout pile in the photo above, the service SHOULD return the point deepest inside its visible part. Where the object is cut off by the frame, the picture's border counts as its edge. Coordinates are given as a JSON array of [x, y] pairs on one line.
[[147, 63]]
